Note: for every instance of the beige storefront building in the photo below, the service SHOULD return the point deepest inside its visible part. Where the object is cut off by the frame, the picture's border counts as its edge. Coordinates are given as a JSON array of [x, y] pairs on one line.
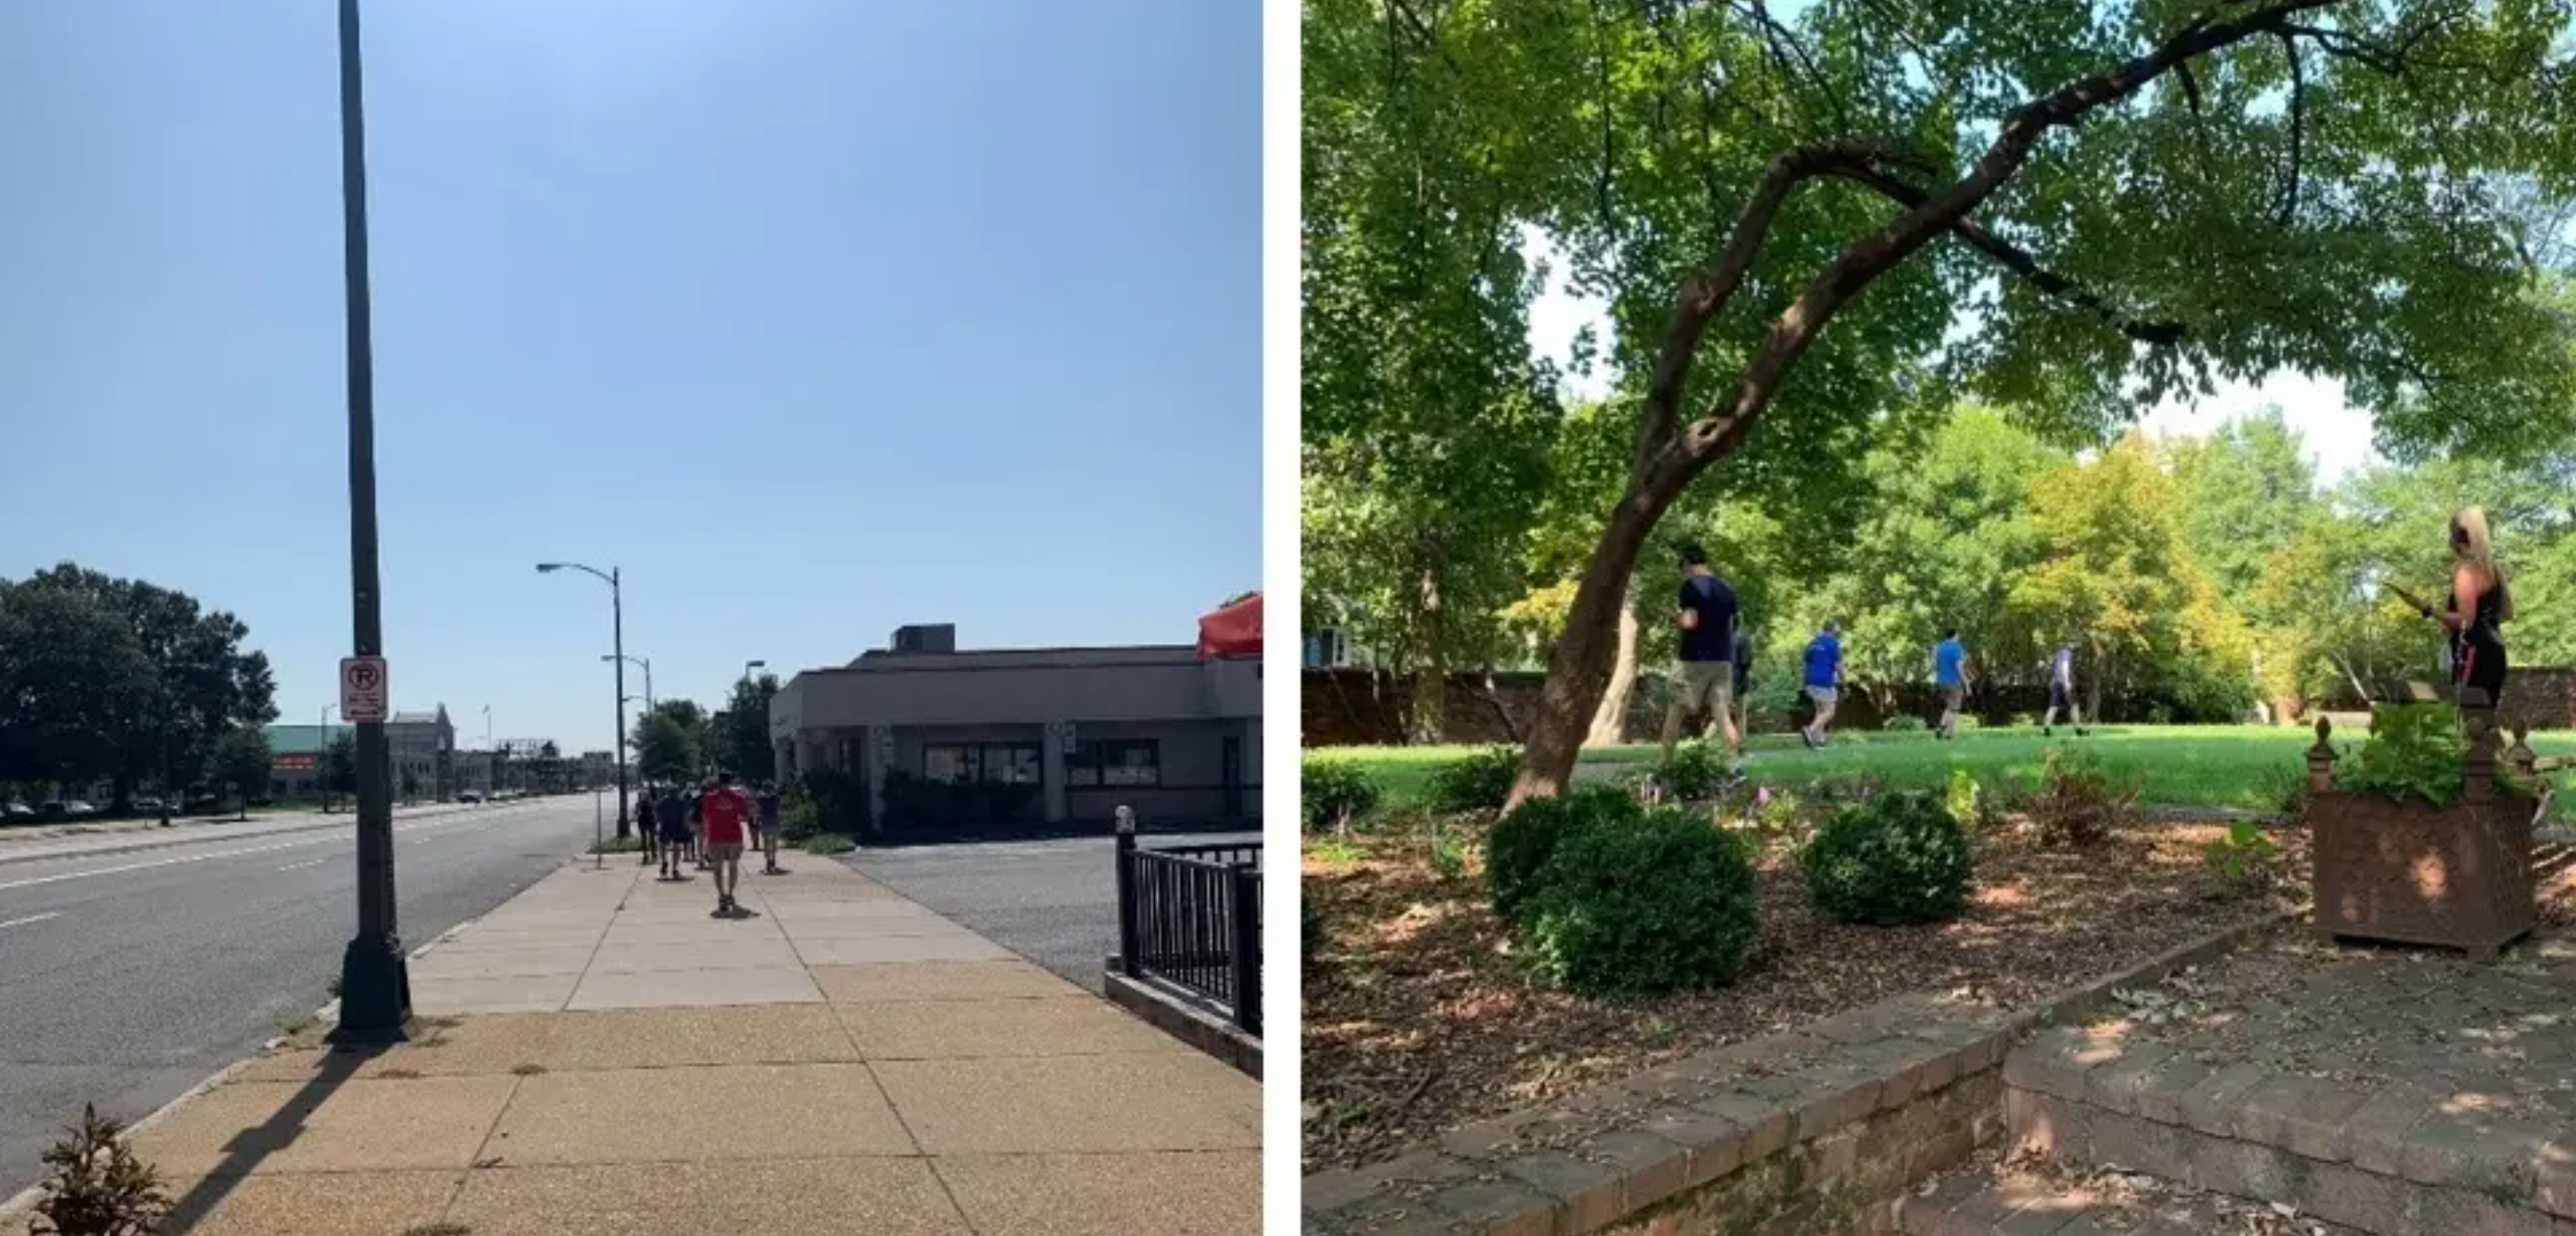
[[1153, 727]]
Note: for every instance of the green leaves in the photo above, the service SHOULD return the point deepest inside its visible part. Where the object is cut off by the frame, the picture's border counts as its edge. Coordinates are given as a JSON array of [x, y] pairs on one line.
[[2414, 751]]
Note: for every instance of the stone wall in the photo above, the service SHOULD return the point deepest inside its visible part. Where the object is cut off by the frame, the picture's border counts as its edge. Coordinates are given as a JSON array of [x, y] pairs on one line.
[[1815, 1133], [1344, 708]]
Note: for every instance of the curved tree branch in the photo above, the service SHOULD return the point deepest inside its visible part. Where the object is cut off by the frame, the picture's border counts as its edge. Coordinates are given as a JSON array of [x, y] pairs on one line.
[[1795, 330]]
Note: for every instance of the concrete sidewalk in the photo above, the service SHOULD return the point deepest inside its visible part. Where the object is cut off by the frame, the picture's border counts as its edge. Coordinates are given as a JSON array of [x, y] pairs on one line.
[[601, 1054]]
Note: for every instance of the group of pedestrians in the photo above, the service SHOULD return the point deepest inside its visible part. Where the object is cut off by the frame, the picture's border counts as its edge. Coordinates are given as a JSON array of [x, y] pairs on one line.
[[1717, 650], [1717, 660], [710, 825]]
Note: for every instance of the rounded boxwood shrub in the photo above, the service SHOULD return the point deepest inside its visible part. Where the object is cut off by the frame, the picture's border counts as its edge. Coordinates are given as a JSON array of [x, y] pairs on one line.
[[1518, 850], [1334, 792], [1480, 782], [1890, 860], [1658, 902], [1694, 773]]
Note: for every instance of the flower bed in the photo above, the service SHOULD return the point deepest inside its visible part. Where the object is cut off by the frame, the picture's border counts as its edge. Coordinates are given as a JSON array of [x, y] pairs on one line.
[[1419, 1018]]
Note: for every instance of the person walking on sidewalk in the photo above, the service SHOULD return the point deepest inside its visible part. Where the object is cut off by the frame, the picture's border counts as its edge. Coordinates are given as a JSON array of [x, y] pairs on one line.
[[673, 815], [723, 815], [644, 827], [765, 818], [695, 798]]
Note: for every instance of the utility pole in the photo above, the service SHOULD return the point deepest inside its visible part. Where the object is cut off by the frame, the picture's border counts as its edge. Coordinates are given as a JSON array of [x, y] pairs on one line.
[[375, 981]]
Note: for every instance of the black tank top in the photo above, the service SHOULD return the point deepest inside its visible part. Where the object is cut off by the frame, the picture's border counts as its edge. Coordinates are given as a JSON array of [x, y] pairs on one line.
[[2485, 629]]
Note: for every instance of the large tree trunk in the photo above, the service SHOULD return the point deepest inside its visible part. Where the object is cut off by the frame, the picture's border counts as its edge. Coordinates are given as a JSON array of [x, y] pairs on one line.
[[1579, 668], [1670, 452], [1610, 720], [1428, 718]]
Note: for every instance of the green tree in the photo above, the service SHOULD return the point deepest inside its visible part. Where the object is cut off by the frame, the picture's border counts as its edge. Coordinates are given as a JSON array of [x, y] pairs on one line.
[[738, 737], [205, 681], [665, 749], [1794, 217], [411, 784], [74, 676], [340, 764], [241, 762]]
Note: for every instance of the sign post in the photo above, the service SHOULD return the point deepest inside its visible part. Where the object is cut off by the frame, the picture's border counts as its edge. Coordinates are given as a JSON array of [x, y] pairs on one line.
[[362, 690]]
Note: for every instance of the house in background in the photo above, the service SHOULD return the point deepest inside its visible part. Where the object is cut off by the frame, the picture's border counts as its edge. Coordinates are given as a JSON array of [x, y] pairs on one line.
[[421, 746], [1085, 730]]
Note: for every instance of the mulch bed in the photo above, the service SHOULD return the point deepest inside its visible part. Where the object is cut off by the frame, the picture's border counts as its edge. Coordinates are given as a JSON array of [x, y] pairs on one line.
[[1418, 1019]]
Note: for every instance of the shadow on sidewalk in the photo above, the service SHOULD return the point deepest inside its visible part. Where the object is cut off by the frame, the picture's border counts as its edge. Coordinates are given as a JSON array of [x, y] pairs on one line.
[[253, 1146]]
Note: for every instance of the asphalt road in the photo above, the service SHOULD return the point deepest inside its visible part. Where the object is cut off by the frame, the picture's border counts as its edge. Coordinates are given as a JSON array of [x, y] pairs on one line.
[[126, 979], [1053, 902]]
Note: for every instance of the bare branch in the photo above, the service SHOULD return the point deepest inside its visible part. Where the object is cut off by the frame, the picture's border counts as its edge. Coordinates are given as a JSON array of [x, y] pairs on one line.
[[2190, 87], [2298, 127], [1863, 261], [1785, 47], [2153, 333], [1706, 292]]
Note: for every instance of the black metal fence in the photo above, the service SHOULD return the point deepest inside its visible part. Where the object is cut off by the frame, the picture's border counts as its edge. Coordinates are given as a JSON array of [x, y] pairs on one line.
[[1190, 916]]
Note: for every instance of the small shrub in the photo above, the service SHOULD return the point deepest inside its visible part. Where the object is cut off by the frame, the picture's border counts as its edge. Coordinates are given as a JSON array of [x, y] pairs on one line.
[[618, 845], [1896, 859], [1656, 902], [2284, 791], [1334, 851], [827, 844], [2024, 720], [800, 815], [1904, 723], [95, 1185], [1695, 773], [1777, 812], [1448, 852], [1966, 800], [1523, 842], [1334, 793], [2078, 802], [2159, 714], [2414, 751], [2240, 863], [1480, 782]]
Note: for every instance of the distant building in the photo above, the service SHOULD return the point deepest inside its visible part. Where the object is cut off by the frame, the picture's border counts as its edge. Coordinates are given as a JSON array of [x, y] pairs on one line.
[[1087, 730], [421, 744]]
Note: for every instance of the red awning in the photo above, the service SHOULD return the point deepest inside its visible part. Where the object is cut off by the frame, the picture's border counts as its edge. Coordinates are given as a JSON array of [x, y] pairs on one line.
[[1233, 632]]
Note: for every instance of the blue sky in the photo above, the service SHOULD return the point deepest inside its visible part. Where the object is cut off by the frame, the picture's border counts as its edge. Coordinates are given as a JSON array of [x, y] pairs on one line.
[[817, 317]]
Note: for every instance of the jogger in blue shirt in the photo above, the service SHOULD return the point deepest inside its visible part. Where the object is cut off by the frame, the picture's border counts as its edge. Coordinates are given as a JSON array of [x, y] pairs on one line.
[[1823, 682]]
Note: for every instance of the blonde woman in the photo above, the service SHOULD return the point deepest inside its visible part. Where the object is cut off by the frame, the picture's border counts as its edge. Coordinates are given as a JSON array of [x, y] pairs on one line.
[[2479, 604]]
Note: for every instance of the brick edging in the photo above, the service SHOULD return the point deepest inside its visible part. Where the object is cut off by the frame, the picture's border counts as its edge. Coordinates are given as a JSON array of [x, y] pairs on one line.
[[1650, 1141]]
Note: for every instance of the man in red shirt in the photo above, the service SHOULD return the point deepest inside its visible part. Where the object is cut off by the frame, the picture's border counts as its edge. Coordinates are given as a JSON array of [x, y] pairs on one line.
[[725, 813]]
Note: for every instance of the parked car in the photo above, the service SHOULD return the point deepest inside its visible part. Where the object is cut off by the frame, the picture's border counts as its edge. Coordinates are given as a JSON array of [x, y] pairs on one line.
[[147, 806], [15, 810], [78, 808], [469, 796]]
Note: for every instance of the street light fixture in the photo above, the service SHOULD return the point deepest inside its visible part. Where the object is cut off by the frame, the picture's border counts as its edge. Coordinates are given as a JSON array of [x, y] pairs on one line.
[[617, 619], [375, 980], [647, 664]]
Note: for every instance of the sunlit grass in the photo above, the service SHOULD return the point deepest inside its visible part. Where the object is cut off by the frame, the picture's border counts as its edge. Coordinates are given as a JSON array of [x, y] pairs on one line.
[[2188, 765]]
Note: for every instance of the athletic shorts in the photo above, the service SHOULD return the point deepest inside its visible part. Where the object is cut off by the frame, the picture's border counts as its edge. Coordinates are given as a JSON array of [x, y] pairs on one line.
[[2059, 699], [1952, 695], [1822, 695], [1708, 686], [675, 832], [718, 852]]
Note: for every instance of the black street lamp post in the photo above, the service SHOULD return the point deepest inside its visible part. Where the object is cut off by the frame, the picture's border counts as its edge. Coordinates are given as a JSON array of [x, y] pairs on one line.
[[617, 617], [375, 982]]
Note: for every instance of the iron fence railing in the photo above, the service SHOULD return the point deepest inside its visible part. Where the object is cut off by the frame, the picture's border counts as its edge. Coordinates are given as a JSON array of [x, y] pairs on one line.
[[1190, 916]]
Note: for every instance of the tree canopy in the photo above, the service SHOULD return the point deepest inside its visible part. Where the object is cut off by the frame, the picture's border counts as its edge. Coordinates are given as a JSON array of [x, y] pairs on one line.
[[108, 677], [1817, 227]]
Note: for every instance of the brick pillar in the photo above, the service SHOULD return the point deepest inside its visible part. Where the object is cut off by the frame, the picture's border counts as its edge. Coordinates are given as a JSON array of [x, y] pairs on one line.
[[2321, 758]]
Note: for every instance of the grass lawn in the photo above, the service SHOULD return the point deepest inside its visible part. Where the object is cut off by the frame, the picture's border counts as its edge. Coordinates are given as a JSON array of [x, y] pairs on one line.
[[2189, 765]]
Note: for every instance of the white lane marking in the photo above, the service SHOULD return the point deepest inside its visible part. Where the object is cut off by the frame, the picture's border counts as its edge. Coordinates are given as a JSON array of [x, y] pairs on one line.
[[34, 918], [122, 868], [310, 862]]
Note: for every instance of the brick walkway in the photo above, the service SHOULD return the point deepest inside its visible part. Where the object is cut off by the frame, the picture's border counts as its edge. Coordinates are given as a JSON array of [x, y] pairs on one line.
[[603, 1055], [2394, 1092]]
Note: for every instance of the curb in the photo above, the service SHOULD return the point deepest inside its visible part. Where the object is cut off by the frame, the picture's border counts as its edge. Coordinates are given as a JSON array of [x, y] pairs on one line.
[[16, 1210], [167, 843], [159, 842]]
